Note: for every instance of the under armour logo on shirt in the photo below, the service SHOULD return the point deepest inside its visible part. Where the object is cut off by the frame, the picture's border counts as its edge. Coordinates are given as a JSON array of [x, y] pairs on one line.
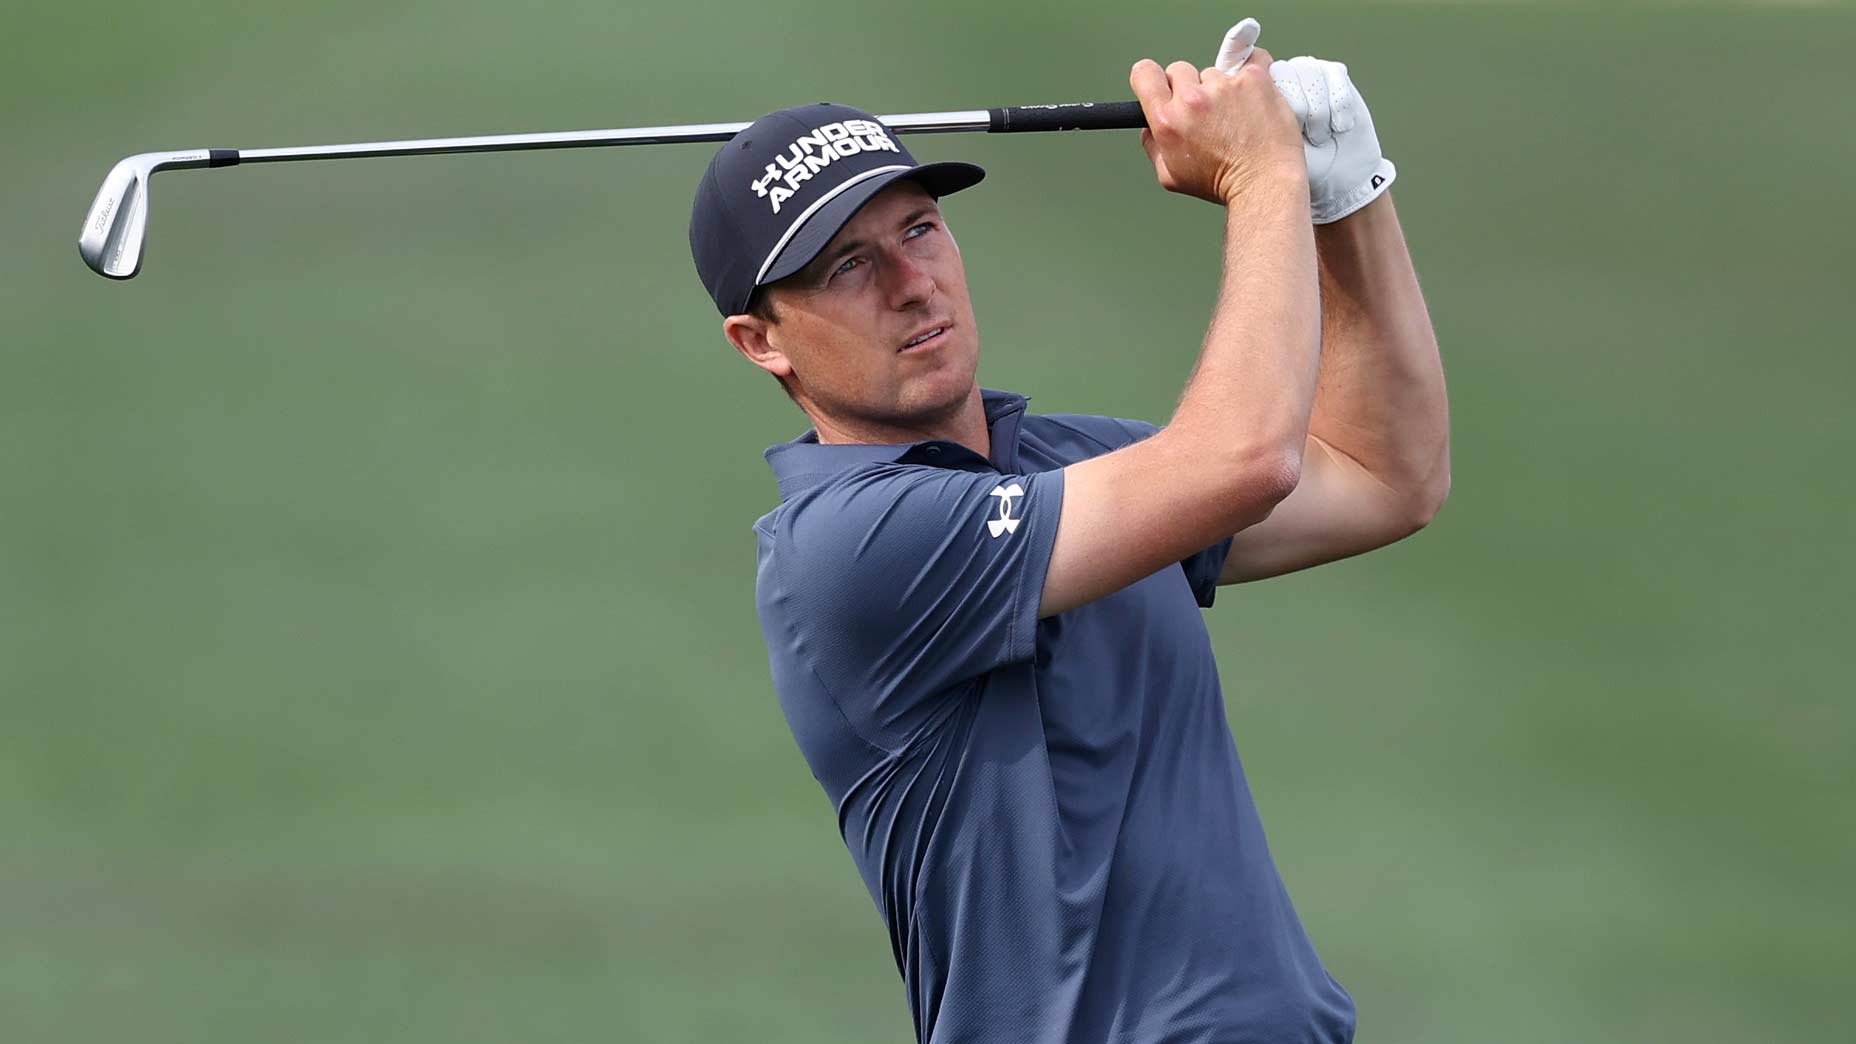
[[1009, 499]]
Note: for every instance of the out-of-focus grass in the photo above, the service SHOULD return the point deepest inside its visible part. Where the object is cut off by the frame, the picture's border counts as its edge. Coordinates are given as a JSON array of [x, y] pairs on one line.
[[377, 655]]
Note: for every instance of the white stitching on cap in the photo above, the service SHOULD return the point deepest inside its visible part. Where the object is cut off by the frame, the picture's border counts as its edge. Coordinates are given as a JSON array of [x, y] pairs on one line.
[[821, 201]]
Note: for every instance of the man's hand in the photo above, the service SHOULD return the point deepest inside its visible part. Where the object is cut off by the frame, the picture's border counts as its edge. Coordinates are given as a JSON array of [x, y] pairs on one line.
[[1213, 134], [1346, 169]]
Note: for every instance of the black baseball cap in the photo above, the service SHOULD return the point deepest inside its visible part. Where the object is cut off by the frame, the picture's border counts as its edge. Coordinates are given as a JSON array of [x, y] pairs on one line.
[[777, 192]]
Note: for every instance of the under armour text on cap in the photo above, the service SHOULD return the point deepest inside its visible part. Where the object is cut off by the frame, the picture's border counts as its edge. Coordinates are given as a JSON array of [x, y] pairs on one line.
[[777, 192]]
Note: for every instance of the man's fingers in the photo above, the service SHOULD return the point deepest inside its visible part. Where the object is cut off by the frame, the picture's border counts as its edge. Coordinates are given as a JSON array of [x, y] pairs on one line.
[[1183, 76], [1147, 78], [1341, 94], [1151, 88], [1257, 56], [1237, 45], [1287, 85], [1304, 85], [1317, 127]]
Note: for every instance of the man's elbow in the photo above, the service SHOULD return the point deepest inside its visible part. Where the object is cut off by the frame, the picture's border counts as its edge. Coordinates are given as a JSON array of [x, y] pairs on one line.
[[1257, 481], [1274, 475], [1247, 475], [1422, 506]]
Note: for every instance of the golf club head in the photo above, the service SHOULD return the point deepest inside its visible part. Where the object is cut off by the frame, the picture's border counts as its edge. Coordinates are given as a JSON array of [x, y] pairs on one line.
[[114, 230]]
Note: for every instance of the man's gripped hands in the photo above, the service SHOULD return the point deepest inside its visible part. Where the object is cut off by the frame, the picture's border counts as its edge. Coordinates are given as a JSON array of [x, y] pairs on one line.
[[1215, 134], [1346, 169], [1344, 166]]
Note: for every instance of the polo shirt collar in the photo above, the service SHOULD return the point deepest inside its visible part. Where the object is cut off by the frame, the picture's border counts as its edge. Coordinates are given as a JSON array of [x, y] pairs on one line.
[[804, 462]]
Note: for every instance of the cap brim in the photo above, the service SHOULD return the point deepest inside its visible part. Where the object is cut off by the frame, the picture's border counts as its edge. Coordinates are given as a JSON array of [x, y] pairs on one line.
[[817, 229]]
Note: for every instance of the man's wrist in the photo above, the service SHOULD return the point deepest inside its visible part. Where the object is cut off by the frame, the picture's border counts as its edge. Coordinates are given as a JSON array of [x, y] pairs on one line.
[[1271, 182], [1376, 185]]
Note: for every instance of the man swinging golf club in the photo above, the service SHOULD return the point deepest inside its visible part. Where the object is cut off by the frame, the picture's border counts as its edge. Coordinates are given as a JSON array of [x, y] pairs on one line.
[[984, 625]]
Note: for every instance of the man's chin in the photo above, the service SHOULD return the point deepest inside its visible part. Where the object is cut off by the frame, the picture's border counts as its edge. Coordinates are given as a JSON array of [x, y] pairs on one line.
[[943, 398], [923, 402], [917, 410]]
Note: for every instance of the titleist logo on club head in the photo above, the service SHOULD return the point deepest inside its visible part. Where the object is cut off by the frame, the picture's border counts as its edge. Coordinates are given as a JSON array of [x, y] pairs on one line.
[[810, 153], [103, 216]]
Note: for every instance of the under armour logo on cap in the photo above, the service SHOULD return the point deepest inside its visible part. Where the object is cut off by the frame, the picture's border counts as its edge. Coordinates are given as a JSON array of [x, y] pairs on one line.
[[815, 150], [777, 193]]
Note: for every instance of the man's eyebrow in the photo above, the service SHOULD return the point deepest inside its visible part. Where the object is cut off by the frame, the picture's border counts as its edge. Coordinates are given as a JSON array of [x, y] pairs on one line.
[[830, 257], [917, 214], [852, 246]]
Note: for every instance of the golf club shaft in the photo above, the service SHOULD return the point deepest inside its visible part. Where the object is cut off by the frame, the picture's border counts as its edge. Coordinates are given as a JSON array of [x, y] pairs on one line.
[[116, 227], [1012, 119]]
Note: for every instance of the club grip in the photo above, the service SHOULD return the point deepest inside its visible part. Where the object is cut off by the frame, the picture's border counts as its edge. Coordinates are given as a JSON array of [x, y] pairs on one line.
[[1116, 115]]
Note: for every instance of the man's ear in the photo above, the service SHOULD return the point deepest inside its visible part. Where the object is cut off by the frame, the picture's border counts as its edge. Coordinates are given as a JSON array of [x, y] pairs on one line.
[[749, 335]]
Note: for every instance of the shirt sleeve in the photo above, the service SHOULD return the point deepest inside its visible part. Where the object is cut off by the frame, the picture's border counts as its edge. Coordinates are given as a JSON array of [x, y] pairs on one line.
[[1112, 433], [903, 581]]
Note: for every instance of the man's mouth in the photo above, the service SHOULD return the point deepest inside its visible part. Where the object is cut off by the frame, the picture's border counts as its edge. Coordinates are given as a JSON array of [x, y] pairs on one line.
[[926, 337]]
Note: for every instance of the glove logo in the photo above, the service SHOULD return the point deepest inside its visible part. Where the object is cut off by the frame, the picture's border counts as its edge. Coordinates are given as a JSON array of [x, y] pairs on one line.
[[1378, 180], [1010, 498]]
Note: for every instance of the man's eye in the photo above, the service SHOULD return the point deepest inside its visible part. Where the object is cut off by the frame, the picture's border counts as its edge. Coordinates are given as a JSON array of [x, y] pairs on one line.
[[919, 230], [849, 263]]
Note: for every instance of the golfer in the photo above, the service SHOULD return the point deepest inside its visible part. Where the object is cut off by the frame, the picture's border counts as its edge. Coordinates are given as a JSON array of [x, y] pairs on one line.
[[985, 626]]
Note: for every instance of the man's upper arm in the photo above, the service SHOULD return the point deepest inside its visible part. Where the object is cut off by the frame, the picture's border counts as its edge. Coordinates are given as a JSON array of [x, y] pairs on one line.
[[902, 580], [1202, 567], [1148, 505], [1337, 510]]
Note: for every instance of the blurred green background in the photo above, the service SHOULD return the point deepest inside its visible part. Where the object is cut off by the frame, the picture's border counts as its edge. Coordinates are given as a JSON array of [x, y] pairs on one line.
[[377, 650]]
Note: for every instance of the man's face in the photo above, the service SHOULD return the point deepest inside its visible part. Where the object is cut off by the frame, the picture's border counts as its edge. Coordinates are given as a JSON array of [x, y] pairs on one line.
[[844, 323]]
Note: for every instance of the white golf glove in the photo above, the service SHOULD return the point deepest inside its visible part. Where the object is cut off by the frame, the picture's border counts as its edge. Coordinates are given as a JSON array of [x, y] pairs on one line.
[[1346, 170]]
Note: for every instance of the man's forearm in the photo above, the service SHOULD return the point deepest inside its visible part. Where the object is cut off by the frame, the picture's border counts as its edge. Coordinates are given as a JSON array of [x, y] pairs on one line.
[[1253, 388], [1234, 449], [1380, 400]]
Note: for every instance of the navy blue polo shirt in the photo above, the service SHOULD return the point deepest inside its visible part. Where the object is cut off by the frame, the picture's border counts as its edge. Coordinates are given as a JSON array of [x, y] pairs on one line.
[[1050, 814]]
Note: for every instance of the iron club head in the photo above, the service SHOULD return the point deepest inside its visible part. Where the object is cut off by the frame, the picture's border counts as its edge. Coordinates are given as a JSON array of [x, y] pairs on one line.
[[117, 224], [111, 240]]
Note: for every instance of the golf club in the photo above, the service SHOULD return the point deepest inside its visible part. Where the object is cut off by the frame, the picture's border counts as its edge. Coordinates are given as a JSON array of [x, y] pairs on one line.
[[116, 228]]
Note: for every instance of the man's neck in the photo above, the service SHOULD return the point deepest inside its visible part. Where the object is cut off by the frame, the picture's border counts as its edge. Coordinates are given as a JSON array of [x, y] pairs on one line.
[[966, 426]]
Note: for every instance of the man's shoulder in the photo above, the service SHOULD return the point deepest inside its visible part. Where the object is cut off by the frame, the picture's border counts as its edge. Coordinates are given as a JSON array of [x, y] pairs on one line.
[[847, 501], [1079, 436]]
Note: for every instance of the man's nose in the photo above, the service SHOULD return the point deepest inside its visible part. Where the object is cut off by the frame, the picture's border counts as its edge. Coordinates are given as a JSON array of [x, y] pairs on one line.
[[909, 283]]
